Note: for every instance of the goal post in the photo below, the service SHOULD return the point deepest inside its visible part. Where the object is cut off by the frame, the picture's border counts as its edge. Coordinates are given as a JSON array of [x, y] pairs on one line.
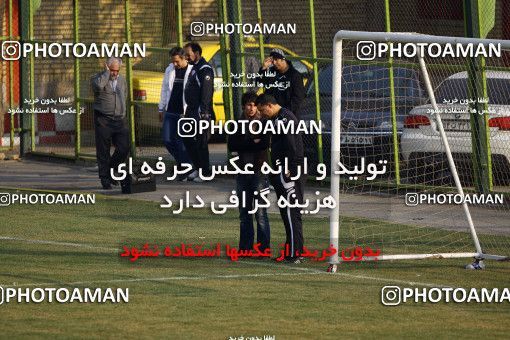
[[450, 68]]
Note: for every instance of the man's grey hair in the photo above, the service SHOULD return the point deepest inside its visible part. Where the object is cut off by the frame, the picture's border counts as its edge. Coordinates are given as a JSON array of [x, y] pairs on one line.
[[113, 60]]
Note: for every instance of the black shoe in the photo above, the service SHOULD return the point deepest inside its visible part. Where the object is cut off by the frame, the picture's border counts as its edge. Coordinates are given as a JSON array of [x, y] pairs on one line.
[[182, 178], [192, 176], [106, 183], [288, 260], [295, 260]]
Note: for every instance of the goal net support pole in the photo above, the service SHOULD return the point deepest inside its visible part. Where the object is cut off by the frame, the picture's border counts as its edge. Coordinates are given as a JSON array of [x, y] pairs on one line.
[[449, 156]]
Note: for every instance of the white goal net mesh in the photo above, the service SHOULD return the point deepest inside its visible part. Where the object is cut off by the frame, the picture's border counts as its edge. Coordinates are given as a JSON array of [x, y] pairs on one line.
[[396, 187]]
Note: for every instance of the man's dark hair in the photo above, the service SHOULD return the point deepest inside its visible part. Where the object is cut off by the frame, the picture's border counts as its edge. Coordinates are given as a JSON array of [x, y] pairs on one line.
[[177, 51], [248, 97], [265, 99], [195, 47]]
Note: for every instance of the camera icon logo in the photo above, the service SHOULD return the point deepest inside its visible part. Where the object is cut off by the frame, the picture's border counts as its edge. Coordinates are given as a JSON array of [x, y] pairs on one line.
[[366, 50], [391, 295], [5, 199], [187, 127], [412, 199], [197, 29], [11, 50]]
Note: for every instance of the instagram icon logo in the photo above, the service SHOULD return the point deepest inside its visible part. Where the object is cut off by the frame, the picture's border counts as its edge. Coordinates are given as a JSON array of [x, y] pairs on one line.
[[197, 29], [366, 50], [11, 50], [187, 127], [390, 295]]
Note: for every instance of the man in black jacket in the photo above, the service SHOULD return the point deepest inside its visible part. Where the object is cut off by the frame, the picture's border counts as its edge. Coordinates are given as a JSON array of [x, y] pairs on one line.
[[198, 94], [290, 146], [251, 149], [283, 81]]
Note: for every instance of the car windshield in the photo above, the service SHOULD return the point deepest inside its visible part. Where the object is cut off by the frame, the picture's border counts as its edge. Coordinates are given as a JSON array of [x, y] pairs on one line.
[[368, 81], [498, 90]]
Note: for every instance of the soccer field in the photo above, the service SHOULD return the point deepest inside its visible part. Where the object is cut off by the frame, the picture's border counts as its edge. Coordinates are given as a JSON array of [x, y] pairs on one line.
[[216, 298]]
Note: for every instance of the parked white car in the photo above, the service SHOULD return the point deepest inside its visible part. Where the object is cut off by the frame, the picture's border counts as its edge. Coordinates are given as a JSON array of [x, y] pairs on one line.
[[421, 145]]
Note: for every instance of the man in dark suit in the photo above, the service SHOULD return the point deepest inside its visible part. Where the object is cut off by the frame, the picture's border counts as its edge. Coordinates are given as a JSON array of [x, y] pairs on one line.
[[198, 94], [110, 93]]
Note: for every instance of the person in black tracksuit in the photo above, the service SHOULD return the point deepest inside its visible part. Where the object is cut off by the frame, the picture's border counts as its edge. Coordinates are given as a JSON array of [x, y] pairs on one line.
[[198, 95], [289, 91], [288, 146]]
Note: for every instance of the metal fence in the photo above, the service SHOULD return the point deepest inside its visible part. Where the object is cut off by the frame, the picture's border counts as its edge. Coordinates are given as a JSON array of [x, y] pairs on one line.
[[67, 129], [9, 75]]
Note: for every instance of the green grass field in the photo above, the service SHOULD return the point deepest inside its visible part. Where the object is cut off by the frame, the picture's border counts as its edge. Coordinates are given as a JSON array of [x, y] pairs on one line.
[[216, 298]]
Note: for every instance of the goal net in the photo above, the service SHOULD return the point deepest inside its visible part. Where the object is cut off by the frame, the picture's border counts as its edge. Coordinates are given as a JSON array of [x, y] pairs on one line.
[[419, 146]]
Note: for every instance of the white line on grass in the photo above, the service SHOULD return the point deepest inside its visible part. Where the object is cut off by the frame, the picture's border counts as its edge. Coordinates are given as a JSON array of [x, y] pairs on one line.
[[309, 271], [355, 276], [55, 243], [160, 279]]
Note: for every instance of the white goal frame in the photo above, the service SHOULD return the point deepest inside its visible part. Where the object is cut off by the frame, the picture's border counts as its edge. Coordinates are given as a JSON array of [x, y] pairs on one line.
[[335, 134]]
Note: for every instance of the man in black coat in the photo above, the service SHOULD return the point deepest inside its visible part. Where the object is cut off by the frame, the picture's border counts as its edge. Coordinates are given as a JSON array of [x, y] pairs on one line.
[[286, 146], [282, 81], [198, 94]]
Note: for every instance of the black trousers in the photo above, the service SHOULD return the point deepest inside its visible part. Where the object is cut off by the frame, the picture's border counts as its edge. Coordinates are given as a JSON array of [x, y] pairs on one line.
[[291, 216], [110, 131], [197, 148]]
